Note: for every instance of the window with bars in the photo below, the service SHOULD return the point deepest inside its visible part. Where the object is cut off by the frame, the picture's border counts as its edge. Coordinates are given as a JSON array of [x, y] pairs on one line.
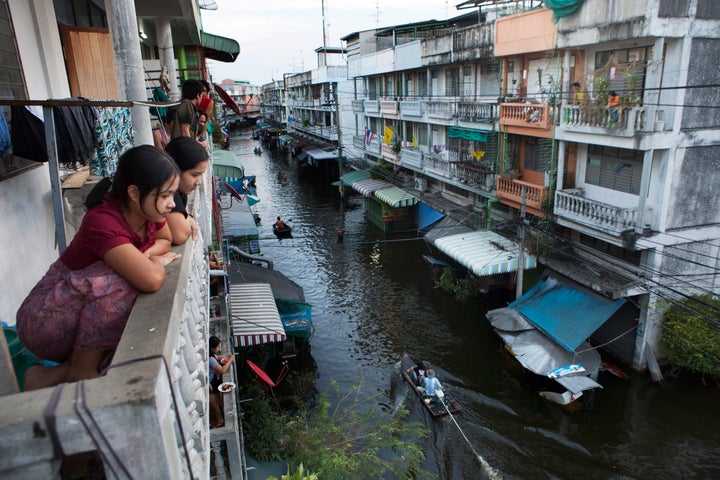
[[12, 87], [452, 82], [614, 168], [624, 71]]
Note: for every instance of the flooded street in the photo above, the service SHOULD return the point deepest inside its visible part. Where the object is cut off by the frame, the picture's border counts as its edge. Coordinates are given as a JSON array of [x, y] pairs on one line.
[[373, 298]]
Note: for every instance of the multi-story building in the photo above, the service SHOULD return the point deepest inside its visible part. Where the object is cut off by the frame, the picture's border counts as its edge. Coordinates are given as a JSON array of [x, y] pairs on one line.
[[318, 106], [272, 101], [247, 96], [510, 111]]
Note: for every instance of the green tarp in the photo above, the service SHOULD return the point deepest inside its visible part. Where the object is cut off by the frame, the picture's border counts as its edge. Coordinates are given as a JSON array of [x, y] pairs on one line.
[[563, 8], [349, 178], [396, 197], [468, 134]]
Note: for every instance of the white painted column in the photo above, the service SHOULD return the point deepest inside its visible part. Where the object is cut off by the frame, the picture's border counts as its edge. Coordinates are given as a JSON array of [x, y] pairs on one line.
[[560, 166], [122, 23], [167, 54], [648, 331]]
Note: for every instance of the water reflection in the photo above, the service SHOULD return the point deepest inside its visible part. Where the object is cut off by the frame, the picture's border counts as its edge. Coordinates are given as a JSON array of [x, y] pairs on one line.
[[373, 299]]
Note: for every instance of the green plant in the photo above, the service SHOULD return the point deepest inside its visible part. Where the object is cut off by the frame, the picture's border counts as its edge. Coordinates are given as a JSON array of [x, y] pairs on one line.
[[691, 337], [299, 474], [601, 89], [461, 288], [396, 144]]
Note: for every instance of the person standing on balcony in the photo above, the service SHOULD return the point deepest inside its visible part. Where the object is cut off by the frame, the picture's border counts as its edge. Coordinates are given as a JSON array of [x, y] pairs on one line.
[[192, 159], [76, 314], [577, 94], [207, 104], [185, 123], [218, 366], [613, 104]]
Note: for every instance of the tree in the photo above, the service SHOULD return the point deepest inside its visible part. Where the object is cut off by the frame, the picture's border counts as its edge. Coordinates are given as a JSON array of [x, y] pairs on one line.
[[691, 335]]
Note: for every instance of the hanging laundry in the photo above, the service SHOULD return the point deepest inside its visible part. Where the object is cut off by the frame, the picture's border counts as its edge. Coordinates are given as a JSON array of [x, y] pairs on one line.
[[115, 134], [5, 143], [27, 134]]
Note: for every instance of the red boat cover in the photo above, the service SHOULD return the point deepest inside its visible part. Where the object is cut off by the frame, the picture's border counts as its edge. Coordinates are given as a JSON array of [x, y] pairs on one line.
[[229, 102], [260, 373]]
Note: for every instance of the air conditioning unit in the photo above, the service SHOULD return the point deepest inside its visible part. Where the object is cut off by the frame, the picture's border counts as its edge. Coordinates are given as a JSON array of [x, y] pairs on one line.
[[420, 184]]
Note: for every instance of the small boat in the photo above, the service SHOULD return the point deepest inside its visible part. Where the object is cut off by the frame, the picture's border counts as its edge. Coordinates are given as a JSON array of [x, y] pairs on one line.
[[408, 366], [282, 232], [296, 317], [257, 151]]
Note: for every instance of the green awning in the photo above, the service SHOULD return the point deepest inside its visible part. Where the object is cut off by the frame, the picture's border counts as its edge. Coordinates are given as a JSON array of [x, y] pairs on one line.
[[219, 48], [396, 197], [349, 178], [468, 134]]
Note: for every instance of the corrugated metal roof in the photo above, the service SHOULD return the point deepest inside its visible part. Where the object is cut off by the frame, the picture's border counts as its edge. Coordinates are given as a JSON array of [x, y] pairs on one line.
[[396, 197], [484, 252], [254, 314], [356, 176]]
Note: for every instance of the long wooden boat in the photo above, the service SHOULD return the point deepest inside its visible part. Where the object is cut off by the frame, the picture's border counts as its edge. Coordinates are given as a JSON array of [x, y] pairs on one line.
[[408, 364]]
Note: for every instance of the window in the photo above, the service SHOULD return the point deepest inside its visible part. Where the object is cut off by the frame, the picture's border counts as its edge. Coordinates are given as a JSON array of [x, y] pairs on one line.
[[422, 84], [12, 87], [452, 82], [623, 71], [614, 168]]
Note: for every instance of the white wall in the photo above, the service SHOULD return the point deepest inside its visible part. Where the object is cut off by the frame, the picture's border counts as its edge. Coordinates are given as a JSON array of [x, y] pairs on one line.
[[27, 224]]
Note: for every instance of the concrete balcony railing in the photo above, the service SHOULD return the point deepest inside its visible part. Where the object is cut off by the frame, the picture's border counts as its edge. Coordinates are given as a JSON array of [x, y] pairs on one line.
[[148, 415], [572, 206], [389, 107], [477, 111], [374, 148], [410, 157], [389, 154], [359, 142], [357, 106], [592, 118], [437, 165], [412, 108], [530, 115], [323, 131], [441, 110], [372, 106], [510, 192]]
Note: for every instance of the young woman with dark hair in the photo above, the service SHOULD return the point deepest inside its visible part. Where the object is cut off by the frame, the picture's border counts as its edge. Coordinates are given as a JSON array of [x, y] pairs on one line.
[[192, 159], [76, 314]]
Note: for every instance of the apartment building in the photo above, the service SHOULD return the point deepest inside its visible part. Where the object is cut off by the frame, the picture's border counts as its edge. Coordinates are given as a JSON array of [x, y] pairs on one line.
[[511, 112]]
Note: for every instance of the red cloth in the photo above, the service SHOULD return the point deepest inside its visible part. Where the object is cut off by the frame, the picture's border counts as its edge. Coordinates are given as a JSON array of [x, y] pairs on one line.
[[204, 102], [102, 229]]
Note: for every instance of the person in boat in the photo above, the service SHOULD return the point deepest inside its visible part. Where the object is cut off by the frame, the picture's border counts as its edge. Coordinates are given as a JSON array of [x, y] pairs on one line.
[[192, 159], [432, 385], [418, 373], [279, 224]]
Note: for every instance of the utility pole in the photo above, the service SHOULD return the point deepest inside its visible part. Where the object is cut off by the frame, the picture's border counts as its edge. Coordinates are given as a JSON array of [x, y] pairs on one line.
[[341, 187], [521, 253]]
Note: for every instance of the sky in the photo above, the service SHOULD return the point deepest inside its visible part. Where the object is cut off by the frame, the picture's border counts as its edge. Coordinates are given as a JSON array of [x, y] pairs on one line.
[[280, 36]]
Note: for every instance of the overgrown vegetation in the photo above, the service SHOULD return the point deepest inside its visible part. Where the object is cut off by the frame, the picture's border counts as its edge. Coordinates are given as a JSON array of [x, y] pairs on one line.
[[691, 335], [350, 439], [460, 288]]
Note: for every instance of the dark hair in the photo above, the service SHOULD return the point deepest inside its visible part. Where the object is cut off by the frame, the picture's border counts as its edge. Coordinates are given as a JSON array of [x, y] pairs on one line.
[[613, 93], [147, 167], [214, 342], [191, 88], [206, 85], [186, 152], [576, 84]]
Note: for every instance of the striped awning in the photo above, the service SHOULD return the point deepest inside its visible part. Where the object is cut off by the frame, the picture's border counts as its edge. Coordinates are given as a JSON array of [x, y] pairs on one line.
[[368, 187], [356, 176], [254, 314], [396, 197], [484, 252]]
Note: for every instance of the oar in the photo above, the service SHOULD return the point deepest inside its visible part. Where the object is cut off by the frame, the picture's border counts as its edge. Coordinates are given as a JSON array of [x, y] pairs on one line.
[[492, 473]]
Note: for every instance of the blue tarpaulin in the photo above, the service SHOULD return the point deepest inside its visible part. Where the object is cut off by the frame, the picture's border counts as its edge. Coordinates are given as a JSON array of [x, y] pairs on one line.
[[427, 216], [564, 312]]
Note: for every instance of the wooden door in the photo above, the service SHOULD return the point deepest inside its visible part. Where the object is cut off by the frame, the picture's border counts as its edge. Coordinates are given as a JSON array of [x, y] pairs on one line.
[[90, 62]]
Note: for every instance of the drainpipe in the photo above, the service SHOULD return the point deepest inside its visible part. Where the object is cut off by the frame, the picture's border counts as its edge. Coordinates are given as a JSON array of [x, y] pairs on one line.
[[122, 23], [488, 218], [167, 54]]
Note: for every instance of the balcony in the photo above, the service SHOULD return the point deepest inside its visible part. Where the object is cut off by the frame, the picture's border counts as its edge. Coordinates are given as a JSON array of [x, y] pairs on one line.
[[437, 165], [325, 132], [372, 106], [389, 107], [359, 142], [411, 158], [510, 192], [571, 206], [536, 116], [357, 106], [374, 147], [593, 118], [411, 108], [148, 415], [441, 110], [389, 154], [477, 111], [479, 174]]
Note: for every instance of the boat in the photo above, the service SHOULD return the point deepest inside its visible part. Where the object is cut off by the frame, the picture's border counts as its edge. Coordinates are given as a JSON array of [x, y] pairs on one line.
[[282, 232], [296, 317], [408, 366]]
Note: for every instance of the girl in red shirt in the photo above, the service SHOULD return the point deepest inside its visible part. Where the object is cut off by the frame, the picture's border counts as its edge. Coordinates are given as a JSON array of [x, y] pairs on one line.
[[77, 312]]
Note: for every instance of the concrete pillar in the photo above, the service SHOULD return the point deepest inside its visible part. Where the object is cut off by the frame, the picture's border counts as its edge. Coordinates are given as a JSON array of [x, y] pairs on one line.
[[122, 23], [560, 166], [167, 54], [649, 322]]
